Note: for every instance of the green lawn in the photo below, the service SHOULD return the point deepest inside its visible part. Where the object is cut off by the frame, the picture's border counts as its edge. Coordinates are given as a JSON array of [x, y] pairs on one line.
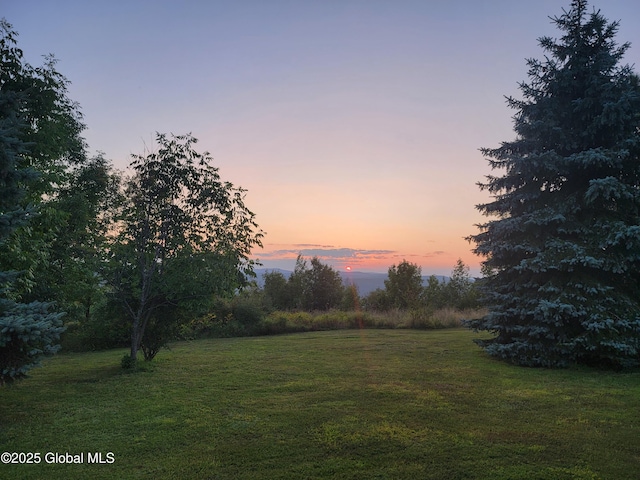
[[369, 404]]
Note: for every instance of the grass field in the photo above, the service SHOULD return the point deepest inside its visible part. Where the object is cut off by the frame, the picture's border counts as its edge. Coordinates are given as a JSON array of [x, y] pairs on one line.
[[356, 404]]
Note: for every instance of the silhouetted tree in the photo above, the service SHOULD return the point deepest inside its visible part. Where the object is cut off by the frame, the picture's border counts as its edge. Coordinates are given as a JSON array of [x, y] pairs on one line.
[[459, 291], [316, 286], [325, 286], [350, 298], [277, 290], [434, 294], [377, 300], [404, 285]]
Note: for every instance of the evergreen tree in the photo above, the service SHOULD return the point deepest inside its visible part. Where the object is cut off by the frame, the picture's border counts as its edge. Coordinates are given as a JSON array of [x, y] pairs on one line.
[[562, 259]]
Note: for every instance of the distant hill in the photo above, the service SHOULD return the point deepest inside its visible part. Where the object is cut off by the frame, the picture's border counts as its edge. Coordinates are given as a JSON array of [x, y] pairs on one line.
[[366, 282]]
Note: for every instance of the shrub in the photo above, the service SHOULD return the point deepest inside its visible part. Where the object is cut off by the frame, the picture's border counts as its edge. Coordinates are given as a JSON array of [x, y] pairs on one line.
[[128, 363], [421, 319], [291, 322], [300, 321], [273, 324], [378, 300], [247, 311], [448, 317], [107, 328], [198, 327]]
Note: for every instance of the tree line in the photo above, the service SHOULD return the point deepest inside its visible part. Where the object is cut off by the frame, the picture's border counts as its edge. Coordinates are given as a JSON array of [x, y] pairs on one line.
[[97, 252], [315, 297], [316, 286]]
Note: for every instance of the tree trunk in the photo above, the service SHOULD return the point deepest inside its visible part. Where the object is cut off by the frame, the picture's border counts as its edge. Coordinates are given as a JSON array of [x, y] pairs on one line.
[[134, 339], [142, 315]]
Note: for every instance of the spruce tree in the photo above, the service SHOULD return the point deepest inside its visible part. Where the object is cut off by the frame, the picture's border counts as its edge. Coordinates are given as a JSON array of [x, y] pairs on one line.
[[562, 256]]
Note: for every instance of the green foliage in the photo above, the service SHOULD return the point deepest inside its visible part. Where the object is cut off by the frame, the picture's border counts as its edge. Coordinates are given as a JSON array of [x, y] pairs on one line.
[[236, 317], [68, 240], [563, 255], [314, 287], [350, 298], [27, 332], [292, 322], [446, 317], [378, 301], [404, 291], [279, 322], [460, 292], [107, 327], [87, 203], [277, 290], [128, 363], [248, 310], [162, 327], [198, 327], [39, 139], [185, 237], [75, 235], [404, 285], [434, 294], [322, 287], [286, 322], [318, 287]]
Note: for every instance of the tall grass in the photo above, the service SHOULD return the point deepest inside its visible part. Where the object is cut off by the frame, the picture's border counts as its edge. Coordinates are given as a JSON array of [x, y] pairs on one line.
[[291, 322]]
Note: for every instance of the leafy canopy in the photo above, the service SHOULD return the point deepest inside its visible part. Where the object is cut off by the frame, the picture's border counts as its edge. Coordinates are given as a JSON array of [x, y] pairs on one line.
[[404, 284], [39, 139], [185, 236]]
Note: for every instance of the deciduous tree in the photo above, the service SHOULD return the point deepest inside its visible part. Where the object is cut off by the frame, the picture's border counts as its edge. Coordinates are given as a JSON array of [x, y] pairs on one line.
[[186, 235], [325, 287], [315, 287], [459, 291], [404, 284], [277, 290]]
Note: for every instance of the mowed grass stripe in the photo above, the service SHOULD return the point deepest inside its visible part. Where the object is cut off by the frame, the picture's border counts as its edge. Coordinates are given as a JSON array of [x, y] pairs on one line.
[[344, 404]]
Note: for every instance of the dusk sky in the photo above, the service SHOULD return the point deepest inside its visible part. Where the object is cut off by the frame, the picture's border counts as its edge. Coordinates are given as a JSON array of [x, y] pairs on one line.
[[354, 125]]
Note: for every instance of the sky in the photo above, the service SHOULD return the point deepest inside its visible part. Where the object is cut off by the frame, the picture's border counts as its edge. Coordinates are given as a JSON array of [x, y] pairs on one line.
[[354, 125]]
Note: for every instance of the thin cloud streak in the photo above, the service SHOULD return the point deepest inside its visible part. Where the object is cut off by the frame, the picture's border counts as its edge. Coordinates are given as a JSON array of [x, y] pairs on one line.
[[334, 253], [341, 257]]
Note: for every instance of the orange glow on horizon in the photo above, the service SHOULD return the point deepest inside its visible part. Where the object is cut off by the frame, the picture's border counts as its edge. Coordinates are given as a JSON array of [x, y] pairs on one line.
[[351, 260]]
